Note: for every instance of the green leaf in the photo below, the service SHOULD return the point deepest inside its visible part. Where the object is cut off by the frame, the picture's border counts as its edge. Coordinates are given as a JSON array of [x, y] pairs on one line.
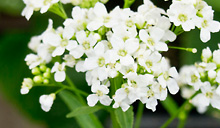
[[125, 119], [170, 105], [83, 110], [85, 121]]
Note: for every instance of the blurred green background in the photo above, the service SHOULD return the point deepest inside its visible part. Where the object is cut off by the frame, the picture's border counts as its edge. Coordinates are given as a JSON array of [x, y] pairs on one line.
[[15, 33]]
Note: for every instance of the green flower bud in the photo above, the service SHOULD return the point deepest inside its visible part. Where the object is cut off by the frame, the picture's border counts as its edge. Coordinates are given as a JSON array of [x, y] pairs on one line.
[[35, 71], [46, 75], [46, 81], [48, 70], [38, 79], [43, 68]]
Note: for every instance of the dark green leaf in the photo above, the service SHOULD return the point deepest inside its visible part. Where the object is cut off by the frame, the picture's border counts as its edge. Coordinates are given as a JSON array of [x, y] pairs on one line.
[[125, 119], [83, 110], [85, 121]]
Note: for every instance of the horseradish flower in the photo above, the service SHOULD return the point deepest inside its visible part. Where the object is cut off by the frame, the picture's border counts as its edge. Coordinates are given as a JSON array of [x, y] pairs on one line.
[[46, 101], [86, 44], [208, 96], [182, 14], [124, 49], [207, 24], [153, 39], [31, 5], [101, 95], [168, 79], [59, 69], [27, 84]]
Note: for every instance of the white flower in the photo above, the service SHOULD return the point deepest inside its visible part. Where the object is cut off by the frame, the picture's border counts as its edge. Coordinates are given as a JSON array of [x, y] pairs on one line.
[[153, 39], [59, 70], [46, 5], [168, 79], [206, 54], [69, 60], [31, 5], [101, 95], [86, 44], [34, 43], [182, 14], [149, 59], [27, 84], [100, 18], [124, 49], [207, 24], [46, 101], [53, 38], [193, 78], [208, 96], [216, 57]]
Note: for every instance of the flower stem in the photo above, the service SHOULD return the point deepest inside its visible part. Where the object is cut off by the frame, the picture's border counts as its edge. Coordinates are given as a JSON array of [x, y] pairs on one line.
[[183, 115], [73, 87], [178, 112], [59, 10], [128, 3], [139, 115], [193, 50]]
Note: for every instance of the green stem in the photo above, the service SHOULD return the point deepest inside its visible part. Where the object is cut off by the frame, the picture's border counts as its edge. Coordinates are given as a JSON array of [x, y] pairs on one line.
[[184, 115], [73, 87], [113, 119], [59, 10], [193, 50], [139, 115], [128, 3], [177, 113], [63, 86]]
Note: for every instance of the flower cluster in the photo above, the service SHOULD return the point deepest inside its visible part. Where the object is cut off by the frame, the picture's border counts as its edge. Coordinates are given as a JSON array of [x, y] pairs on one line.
[[121, 44], [203, 77], [44, 5], [193, 13]]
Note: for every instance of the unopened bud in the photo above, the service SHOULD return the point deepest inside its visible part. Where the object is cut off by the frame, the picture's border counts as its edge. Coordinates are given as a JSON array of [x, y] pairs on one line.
[[38, 79]]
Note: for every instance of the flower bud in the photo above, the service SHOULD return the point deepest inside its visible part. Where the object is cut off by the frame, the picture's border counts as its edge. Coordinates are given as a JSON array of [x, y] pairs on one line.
[[43, 68], [38, 79], [46, 81], [46, 75], [206, 54], [35, 71]]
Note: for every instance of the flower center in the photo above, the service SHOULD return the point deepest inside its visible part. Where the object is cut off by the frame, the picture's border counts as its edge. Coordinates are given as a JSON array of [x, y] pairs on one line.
[[47, 2], [86, 45], [106, 19], [194, 78], [209, 94], [166, 75], [129, 23], [149, 63], [205, 24], [122, 52], [99, 93], [64, 43], [150, 93], [101, 61], [151, 41], [182, 17]]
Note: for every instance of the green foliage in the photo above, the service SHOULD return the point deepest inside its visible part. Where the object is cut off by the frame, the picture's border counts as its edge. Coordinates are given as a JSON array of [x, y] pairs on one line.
[[85, 121], [83, 111], [12, 7], [125, 119]]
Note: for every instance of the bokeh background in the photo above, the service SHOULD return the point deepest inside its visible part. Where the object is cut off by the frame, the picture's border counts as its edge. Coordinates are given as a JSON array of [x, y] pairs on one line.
[[24, 111]]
